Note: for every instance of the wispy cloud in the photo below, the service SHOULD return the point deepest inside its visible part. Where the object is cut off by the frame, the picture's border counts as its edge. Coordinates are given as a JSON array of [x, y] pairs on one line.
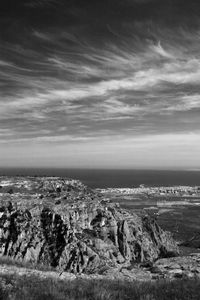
[[135, 79]]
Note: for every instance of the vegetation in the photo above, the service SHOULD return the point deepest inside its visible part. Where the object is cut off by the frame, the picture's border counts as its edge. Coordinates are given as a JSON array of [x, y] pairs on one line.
[[9, 261], [34, 288]]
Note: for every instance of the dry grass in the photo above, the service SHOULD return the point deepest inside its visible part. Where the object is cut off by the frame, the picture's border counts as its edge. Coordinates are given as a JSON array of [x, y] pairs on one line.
[[6, 260], [34, 288]]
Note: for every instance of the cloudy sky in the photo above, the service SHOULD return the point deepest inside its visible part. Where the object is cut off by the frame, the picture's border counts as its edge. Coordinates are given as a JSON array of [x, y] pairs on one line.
[[100, 83]]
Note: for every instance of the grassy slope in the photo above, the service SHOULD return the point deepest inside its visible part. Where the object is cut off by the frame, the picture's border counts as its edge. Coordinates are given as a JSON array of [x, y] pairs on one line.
[[34, 288]]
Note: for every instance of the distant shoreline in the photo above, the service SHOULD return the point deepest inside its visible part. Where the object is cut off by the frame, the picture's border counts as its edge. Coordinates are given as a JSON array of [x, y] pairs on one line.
[[105, 178]]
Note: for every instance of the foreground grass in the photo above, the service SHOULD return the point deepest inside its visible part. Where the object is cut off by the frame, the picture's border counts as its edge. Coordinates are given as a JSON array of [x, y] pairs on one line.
[[33, 288]]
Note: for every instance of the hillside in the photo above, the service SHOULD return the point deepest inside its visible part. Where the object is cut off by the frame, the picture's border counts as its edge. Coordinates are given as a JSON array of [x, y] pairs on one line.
[[63, 224]]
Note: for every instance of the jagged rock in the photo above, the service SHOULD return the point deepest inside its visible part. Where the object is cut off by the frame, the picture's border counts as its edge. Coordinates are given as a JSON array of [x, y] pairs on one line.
[[82, 234]]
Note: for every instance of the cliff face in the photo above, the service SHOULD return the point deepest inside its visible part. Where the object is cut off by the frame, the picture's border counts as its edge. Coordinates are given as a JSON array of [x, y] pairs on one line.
[[79, 232]]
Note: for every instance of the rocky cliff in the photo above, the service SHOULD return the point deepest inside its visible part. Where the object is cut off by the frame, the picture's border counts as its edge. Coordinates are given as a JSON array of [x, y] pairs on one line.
[[63, 224]]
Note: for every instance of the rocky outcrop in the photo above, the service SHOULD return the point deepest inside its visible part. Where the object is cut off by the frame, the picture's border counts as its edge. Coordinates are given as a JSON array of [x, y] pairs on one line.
[[177, 267], [86, 235]]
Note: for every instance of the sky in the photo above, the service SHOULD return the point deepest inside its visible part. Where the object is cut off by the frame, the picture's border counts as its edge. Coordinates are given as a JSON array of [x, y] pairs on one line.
[[100, 84]]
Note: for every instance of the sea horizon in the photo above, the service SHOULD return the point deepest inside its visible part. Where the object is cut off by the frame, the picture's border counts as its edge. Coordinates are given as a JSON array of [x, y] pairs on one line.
[[113, 178]]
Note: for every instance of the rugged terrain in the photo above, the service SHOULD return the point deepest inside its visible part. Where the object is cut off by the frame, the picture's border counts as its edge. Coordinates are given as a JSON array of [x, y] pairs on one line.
[[63, 224], [176, 209], [60, 223]]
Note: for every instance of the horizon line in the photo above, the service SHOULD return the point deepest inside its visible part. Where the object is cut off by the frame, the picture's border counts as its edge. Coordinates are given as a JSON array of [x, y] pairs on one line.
[[99, 169]]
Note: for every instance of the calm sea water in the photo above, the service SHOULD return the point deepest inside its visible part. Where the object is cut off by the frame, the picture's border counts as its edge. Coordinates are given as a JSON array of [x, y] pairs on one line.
[[116, 178]]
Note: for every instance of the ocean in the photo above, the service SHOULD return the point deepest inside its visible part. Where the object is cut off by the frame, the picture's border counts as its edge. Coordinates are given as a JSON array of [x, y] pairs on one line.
[[115, 178]]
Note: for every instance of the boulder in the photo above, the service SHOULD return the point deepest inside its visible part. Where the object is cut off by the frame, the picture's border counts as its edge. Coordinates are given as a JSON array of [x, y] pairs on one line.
[[178, 267]]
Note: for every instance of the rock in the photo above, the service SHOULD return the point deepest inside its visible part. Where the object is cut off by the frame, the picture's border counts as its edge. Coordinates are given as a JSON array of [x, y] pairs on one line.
[[130, 275], [81, 233], [178, 267]]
